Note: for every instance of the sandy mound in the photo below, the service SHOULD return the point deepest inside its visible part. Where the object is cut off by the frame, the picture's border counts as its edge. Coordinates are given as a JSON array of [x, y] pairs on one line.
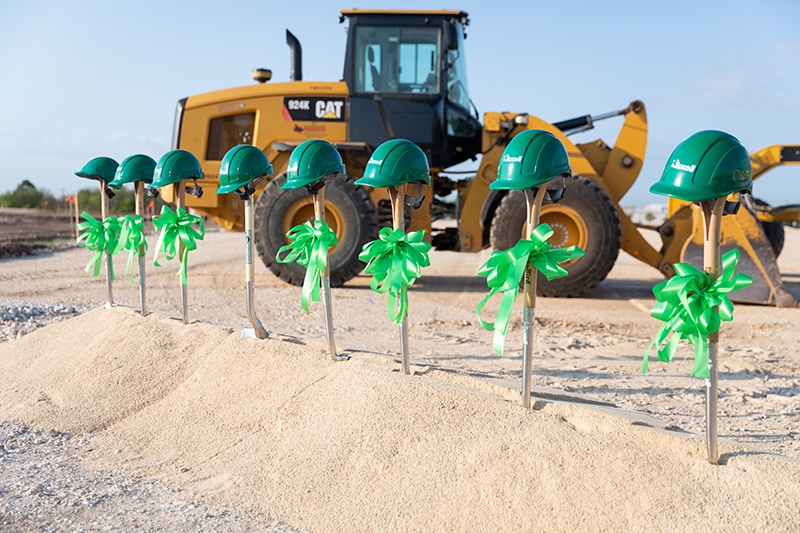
[[275, 427]]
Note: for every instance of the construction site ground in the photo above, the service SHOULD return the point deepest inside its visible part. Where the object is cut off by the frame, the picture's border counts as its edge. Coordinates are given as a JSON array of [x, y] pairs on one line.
[[589, 349]]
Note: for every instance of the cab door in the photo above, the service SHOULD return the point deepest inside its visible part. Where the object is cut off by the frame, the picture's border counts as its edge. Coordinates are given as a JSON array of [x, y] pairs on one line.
[[395, 86], [462, 130], [402, 87]]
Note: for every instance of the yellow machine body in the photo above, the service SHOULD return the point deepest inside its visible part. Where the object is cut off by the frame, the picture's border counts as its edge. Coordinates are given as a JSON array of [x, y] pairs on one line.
[[276, 117]]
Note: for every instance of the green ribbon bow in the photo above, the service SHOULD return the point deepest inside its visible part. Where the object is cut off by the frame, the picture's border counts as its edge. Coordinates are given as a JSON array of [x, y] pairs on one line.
[[309, 247], [396, 261], [692, 306], [99, 237], [504, 272], [133, 240], [176, 228]]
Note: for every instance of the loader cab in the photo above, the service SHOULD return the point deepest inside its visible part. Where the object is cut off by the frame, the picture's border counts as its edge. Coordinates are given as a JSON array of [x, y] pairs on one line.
[[406, 76]]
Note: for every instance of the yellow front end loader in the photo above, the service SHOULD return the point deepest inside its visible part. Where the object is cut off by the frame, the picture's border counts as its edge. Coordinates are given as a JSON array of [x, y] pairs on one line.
[[405, 77]]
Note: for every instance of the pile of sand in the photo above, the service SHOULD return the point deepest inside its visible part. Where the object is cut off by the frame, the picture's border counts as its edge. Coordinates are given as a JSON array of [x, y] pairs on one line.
[[277, 428]]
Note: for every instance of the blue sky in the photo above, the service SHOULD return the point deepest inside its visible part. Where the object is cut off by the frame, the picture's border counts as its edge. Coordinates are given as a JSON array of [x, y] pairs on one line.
[[83, 79]]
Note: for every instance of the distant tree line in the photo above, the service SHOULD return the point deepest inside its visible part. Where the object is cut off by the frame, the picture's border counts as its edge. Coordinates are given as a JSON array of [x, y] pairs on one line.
[[27, 196]]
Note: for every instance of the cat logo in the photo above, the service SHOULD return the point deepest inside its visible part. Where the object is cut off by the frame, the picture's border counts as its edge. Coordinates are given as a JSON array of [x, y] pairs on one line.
[[329, 109]]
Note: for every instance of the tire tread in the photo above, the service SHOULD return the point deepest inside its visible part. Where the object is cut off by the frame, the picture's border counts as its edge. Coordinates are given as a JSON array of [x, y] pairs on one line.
[[598, 211], [294, 274]]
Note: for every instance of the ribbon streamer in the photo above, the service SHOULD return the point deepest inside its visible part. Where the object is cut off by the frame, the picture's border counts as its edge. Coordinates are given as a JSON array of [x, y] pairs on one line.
[[692, 307], [176, 228], [395, 260], [133, 240], [99, 237], [309, 247], [505, 269]]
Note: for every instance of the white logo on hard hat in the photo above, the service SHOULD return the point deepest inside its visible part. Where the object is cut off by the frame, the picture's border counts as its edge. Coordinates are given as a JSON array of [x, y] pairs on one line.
[[375, 161], [686, 168], [508, 159]]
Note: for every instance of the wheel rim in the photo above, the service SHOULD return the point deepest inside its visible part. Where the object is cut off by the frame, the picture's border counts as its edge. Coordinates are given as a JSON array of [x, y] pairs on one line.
[[569, 228], [303, 211]]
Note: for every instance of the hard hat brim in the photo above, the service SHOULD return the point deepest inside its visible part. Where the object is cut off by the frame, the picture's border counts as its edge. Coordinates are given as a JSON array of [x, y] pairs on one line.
[[231, 187], [694, 195], [668, 189], [377, 182], [300, 183], [160, 184], [225, 189], [521, 184], [121, 182], [81, 174]]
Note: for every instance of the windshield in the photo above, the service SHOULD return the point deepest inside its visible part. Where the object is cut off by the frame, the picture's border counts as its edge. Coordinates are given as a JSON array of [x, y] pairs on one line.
[[396, 60], [457, 91]]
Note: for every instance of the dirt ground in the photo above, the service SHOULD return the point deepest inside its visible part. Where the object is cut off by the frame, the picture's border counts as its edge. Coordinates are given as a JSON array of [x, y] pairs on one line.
[[592, 346], [276, 433], [32, 231], [30, 224]]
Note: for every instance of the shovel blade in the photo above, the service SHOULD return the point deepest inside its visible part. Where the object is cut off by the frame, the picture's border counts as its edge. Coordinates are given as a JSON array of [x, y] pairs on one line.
[[253, 333]]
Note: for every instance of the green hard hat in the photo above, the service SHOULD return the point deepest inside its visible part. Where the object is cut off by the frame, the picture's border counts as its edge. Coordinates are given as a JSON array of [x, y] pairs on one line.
[[311, 161], [709, 164], [137, 167], [175, 166], [240, 166], [531, 158], [99, 168], [396, 162]]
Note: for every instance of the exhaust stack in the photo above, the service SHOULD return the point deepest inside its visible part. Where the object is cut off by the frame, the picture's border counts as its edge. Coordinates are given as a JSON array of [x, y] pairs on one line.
[[297, 56]]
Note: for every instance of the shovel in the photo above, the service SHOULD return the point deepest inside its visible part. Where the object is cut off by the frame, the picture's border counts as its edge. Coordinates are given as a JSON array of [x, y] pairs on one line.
[[138, 188], [712, 220], [325, 279], [106, 255], [257, 331], [533, 199], [397, 194], [179, 189]]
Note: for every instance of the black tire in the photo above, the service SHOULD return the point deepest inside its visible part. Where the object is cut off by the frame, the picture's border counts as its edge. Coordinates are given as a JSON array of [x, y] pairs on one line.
[[774, 231], [357, 212], [604, 236]]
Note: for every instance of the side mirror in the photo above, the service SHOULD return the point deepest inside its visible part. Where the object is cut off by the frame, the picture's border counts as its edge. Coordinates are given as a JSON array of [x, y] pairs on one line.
[[450, 36]]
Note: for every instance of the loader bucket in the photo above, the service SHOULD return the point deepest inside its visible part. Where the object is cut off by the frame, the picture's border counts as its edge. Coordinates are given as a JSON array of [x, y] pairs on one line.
[[757, 259]]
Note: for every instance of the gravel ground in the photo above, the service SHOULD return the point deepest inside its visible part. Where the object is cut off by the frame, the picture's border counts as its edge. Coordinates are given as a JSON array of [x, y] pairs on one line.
[[19, 318], [46, 485], [591, 345]]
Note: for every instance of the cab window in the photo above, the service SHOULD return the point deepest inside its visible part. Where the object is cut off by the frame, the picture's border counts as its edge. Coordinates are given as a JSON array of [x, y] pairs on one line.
[[226, 132], [396, 60]]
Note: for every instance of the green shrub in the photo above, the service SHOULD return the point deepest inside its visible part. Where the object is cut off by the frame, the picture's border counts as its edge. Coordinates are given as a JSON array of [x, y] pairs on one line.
[[26, 195]]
